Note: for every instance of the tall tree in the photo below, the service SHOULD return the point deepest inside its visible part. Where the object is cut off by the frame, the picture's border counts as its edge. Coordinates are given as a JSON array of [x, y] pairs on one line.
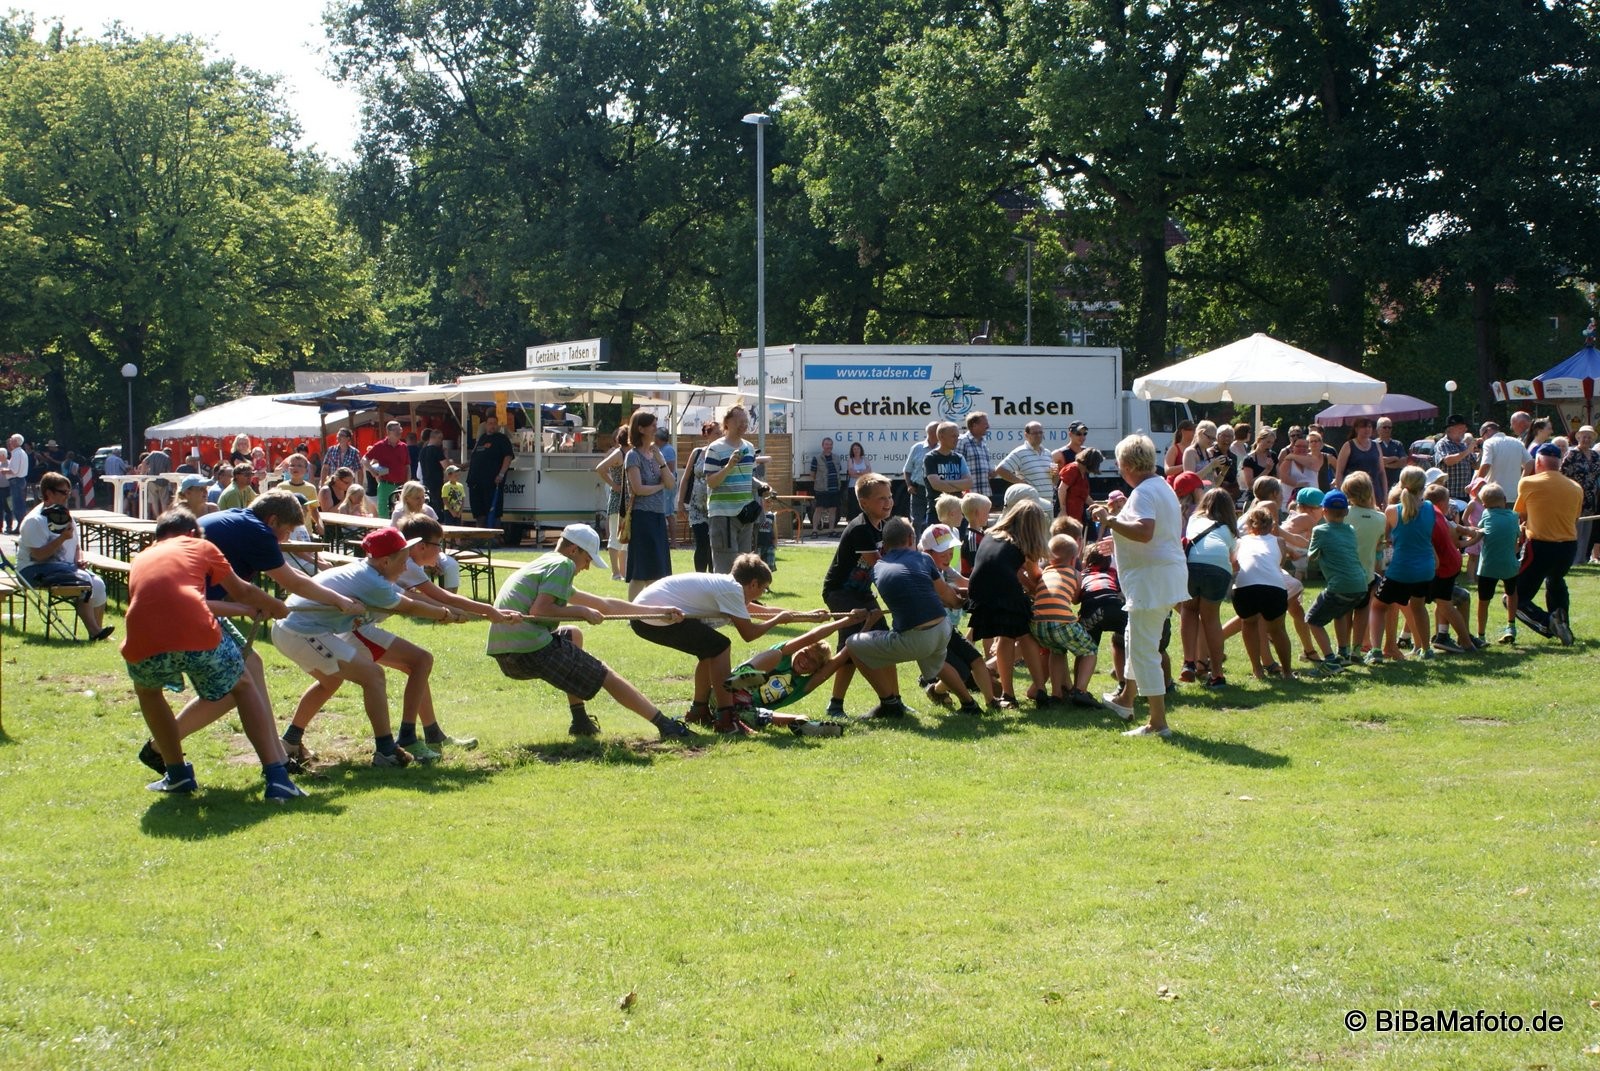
[[552, 169], [1501, 155], [909, 148], [1135, 113], [151, 214]]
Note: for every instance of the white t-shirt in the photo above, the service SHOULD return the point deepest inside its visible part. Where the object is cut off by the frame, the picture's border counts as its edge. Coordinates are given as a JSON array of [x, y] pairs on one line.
[[714, 594], [1259, 562], [1505, 457], [1215, 548], [400, 511], [35, 532], [19, 464], [1154, 575]]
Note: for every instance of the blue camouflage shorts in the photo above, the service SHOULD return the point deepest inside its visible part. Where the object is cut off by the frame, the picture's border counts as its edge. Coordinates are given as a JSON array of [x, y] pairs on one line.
[[214, 673]]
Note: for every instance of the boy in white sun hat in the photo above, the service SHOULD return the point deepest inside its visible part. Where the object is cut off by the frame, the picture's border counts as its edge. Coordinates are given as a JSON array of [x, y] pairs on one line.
[[964, 668], [540, 648]]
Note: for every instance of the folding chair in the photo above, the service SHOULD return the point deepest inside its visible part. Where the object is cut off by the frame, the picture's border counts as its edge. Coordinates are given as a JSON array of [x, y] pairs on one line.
[[48, 601]]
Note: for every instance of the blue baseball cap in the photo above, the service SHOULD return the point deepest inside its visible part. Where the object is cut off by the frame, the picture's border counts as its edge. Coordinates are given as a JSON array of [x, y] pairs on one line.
[[1549, 450], [1335, 500]]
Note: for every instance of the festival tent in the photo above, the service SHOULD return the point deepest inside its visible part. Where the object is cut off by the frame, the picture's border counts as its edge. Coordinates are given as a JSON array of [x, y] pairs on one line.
[[1393, 406], [253, 415], [1259, 371], [1568, 386], [261, 418]]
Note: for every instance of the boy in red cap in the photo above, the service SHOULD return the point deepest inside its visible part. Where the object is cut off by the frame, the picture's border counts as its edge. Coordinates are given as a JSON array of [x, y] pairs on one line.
[[424, 536], [327, 643]]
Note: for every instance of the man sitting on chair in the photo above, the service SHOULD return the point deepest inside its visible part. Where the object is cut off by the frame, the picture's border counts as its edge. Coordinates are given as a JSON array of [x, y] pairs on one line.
[[48, 553]]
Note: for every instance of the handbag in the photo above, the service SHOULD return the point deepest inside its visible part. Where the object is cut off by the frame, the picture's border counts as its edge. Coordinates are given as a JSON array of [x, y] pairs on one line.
[[625, 516], [750, 512]]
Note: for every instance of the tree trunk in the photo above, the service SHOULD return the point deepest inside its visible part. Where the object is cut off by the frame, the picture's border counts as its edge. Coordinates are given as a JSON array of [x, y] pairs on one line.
[[1486, 340], [1346, 307], [58, 403], [1155, 278]]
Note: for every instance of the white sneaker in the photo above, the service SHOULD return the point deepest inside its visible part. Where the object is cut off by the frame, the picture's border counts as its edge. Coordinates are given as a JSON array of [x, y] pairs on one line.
[[1110, 700], [1149, 730]]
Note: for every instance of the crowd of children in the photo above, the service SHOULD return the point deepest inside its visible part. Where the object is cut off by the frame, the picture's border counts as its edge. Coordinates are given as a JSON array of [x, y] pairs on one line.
[[1032, 593]]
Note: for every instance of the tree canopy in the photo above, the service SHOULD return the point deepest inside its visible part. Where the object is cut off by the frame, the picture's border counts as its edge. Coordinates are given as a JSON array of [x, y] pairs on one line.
[[1363, 177], [152, 214]]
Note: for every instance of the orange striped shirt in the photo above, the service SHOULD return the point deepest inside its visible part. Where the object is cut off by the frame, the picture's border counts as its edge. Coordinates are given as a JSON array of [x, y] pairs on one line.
[[1057, 591]]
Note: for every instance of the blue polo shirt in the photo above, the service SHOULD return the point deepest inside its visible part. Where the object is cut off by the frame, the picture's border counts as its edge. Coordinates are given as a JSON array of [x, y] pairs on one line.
[[904, 578], [245, 540]]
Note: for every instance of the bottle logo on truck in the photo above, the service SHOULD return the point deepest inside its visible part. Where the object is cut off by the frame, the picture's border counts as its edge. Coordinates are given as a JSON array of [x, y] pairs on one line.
[[955, 396]]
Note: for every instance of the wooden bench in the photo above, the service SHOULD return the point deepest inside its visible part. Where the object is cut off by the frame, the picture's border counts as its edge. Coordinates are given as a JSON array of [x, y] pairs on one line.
[[114, 571]]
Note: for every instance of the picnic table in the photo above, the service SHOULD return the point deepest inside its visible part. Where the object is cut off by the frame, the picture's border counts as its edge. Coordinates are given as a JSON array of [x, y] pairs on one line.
[[115, 535], [473, 547]]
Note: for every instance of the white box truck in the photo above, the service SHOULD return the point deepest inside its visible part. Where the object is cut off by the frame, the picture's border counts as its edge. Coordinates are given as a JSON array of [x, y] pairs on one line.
[[884, 396]]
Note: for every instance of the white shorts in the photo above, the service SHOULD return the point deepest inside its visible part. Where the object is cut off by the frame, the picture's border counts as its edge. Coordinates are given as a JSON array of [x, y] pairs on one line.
[[376, 640], [321, 653]]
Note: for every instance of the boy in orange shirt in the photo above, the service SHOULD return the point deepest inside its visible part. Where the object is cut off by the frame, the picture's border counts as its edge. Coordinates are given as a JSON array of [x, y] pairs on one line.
[[173, 632]]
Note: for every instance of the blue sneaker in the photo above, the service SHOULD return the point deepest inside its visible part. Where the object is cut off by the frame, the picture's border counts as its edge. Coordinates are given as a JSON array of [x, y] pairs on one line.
[[279, 791], [183, 781]]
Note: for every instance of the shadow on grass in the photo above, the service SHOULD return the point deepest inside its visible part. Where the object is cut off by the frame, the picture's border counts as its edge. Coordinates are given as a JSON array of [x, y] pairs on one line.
[[218, 812], [1222, 751], [942, 723], [604, 752]]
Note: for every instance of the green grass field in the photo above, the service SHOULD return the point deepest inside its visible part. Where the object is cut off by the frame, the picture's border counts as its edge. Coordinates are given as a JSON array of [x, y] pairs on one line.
[[1029, 890]]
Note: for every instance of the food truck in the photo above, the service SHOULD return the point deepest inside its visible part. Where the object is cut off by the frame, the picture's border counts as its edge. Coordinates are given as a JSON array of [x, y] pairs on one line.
[[548, 414], [884, 396]]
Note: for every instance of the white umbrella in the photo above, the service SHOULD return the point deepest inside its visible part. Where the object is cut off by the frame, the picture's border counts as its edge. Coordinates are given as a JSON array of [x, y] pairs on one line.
[[1258, 371]]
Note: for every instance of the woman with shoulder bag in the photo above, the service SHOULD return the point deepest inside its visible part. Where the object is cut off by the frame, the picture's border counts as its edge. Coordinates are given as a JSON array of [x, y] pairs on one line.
[[692, 501], [611, 474]]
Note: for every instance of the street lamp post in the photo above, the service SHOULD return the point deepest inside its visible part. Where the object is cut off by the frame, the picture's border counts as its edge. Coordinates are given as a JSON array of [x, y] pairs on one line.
[[1450, 393], [129, 372], [1027, 242], [760, 120]]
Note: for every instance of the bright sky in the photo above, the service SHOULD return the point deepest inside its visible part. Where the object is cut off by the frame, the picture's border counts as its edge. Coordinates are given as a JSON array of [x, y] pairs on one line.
[[283, 38]]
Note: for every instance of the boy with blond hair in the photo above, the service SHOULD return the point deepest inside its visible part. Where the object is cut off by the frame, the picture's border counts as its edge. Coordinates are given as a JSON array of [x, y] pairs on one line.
[[975, 511], [1497, 558], [1055, 625], [964, 668], [1448, 538]]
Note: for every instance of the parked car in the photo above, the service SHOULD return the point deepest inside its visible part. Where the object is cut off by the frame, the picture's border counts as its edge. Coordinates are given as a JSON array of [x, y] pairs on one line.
[[100, 456]]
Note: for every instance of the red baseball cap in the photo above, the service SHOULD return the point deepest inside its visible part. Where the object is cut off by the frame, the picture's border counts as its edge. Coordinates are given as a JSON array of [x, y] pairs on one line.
[[1187, 483], [386, 541]]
